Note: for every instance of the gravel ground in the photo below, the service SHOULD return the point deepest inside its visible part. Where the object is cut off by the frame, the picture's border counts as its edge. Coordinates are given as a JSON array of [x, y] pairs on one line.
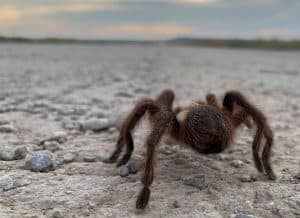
[[59, 105]]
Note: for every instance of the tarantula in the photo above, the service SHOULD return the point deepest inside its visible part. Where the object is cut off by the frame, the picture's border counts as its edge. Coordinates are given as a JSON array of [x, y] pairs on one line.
[[204, 126]]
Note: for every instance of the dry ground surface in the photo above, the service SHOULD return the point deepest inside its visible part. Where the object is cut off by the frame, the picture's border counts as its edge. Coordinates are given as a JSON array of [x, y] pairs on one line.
[[43, 87]]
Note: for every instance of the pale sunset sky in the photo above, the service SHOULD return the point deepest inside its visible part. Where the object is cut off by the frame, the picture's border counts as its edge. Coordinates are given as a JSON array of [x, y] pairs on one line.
[[150, 19]]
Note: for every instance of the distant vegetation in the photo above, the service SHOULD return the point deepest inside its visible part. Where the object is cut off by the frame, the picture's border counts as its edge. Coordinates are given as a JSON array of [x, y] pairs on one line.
[[241, 43], [230, 43]]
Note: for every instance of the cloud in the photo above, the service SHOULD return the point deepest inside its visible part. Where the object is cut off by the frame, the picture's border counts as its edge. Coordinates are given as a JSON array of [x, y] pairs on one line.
[[76, 7], [9, 16], [269, 33], [150, 30], [15, 10]]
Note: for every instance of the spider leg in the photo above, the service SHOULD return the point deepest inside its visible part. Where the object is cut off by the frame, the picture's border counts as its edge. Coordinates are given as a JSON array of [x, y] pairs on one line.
[[151, 143], [125, 137], [239, 118], [166, 98], [266, 152], [263, 129], [212, 100]]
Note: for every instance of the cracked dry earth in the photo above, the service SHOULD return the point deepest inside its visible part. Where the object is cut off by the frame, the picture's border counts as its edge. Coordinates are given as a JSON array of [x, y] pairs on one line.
[[44, 86]]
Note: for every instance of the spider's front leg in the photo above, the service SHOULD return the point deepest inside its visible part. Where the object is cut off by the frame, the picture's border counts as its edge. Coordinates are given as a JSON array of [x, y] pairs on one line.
[[125, 137], [153, 139]]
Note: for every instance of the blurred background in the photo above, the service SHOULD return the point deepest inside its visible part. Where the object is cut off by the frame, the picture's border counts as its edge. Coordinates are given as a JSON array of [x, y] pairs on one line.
[[151, 20], [70, 69]]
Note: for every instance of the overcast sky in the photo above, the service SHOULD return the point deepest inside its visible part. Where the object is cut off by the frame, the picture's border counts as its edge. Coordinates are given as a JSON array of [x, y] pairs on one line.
[[150, 19]]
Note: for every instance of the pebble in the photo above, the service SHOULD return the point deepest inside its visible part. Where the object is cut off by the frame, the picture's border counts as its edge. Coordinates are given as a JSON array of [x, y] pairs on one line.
[[90, 158], [112, 130], [68, 157], [180, 161], [223, 157], [58, 161], [7, 128], [41, 161], [6, 153], [51, 146], [216, 166], [245, 178], [254, 177], [195, 180], [237, 163], [166, 150], [20, 153], [57, 214], [297, 176], [58, 136], [95, 124], [123, 171], [176, 204], [123, 94], [6, 183], [68, 123], [134, 165]]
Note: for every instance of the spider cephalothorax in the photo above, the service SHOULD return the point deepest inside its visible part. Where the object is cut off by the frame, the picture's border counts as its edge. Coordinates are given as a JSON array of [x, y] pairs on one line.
[[204, 126]]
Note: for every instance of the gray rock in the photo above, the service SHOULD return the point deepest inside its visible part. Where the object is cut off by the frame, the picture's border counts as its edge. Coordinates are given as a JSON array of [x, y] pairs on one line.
[[68, 157], [123, 171], [57, 214], [95, 124], [134, 165], [20, 153], [41, 161], [6, 154], [68, 123], [254, 177], [237, 163], [195, 180], [6, 183]]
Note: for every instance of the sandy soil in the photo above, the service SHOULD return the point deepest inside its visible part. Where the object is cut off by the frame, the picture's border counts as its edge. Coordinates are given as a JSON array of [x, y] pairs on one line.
[[41, 85]]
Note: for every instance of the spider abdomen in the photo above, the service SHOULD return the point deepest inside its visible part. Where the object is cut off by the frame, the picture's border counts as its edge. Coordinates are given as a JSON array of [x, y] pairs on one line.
[[207, 130]]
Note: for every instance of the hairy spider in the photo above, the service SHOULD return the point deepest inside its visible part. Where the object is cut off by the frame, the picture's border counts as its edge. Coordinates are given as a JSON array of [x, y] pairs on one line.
[[205, 126]]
